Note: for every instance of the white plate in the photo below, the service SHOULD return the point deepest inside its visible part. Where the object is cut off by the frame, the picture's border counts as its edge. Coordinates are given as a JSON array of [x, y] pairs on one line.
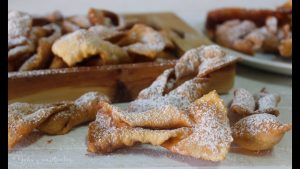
[[267, 62]]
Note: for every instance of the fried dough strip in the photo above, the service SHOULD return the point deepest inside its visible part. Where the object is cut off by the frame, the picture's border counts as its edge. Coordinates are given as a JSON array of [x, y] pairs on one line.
[[243, 102], [267, 102], [44, 54], [58, 118], [208, 138], [103, 17], [143, 40], [202, 61]]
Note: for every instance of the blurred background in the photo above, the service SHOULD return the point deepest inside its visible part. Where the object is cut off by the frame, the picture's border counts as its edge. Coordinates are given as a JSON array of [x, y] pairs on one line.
[[192, 11]]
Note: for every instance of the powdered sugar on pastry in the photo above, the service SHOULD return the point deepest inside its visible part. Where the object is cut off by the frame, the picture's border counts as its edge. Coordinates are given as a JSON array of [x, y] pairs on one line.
[[267, 103], [258, 123], [143, 40], [19, 24], [259, 132], [81, 44], [202, 61], [211, 136], [243, 102]]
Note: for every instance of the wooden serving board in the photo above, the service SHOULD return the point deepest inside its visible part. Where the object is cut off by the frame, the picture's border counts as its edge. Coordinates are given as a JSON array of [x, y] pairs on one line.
[[120, 82]]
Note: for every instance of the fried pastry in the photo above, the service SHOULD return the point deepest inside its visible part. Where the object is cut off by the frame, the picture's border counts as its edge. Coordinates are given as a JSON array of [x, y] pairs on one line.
[[23, 118], [165, 117], [81, 21], [44, 54], [18, 54], [219, 16], [106, 135], [209, 137], [259, 132], [80, 111], [106, 33], [230, 35], [57, 118], [202, 61], [19, 25], [81, 44], [57, 62], [68, 27], [211, 134], [267, 102], [179, 97], [143, 40], [104, 17], [251, 31], [52, 17], [243, 102]]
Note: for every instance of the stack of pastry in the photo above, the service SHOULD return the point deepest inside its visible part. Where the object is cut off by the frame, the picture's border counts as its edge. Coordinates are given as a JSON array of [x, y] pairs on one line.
[[101, 37], [250, 30]]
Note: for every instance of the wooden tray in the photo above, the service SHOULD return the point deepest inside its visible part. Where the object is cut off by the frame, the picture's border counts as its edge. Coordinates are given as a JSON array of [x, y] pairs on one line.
[[124, 81]]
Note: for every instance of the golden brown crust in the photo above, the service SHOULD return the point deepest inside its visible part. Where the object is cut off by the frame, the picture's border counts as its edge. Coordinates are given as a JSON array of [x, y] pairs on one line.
[[81, 44], [208, 137], [259, 132], [58, 118]]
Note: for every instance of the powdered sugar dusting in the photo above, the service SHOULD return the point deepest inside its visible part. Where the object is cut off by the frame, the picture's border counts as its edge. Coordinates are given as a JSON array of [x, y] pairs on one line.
[[244, 100], [203, 60], [268, 104], [211, 137], [257, 123], [19, 24]]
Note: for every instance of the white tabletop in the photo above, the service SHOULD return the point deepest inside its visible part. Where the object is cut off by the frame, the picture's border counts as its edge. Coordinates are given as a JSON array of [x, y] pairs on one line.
[[69, 151]]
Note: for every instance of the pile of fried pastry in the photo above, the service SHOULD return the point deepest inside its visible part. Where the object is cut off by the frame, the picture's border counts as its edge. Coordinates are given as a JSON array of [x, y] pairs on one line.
[[101, 37], [183, 116], [253, 30]]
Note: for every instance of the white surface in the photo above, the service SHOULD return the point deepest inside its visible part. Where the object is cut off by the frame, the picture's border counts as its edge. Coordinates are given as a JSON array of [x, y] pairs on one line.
[[69, 151]]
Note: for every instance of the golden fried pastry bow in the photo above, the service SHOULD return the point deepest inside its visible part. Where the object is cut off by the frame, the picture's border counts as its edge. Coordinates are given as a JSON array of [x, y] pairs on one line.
[[143, 40], [82, 44], [208, 138], [202, 61], [243, 102], [259, 132], [58, 118], [44, 54], [106, 134]]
